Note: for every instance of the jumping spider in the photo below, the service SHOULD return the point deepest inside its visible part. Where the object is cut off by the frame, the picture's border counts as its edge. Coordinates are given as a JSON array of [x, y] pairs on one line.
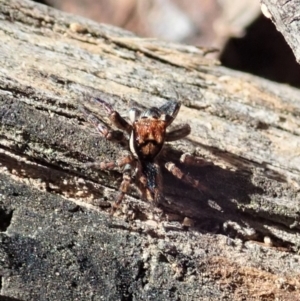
[[143, 138]]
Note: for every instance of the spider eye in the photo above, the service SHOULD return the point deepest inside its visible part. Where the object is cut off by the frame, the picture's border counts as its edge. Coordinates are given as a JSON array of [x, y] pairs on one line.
[[152, 112], [145, 117]]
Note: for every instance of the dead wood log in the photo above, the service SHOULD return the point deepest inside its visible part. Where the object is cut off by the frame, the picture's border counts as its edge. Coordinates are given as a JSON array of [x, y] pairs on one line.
[[245, 132], [285, 16]]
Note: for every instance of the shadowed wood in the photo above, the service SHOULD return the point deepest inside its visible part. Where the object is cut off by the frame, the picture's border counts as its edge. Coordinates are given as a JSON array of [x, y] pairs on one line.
[[244, 133]]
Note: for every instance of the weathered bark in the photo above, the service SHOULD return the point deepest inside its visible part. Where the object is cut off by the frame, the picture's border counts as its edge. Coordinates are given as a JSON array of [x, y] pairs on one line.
[[244, 128], [285, 15]]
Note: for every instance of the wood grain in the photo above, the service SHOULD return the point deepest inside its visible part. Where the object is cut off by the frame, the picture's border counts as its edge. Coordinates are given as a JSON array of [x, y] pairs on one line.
[[245, 130]]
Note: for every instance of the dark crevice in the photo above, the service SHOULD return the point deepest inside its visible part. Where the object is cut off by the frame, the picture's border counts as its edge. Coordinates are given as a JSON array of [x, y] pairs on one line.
[[5, 220], [141, 275], [45, 2], [263, 51], [5, 298], [74, 284], [76, 209]]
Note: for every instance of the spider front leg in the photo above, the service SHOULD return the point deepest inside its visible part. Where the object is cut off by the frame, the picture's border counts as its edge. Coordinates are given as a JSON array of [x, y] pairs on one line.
[[102, 129], [178, 132], [127, 158], [170, 110], [115, 118]]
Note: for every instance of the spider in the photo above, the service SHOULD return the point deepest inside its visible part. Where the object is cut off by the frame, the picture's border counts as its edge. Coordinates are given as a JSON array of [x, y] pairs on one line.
[[143, 138]]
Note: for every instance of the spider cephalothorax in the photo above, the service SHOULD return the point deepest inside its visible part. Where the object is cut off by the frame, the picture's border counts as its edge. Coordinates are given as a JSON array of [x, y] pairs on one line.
[[144, 135], [149, 130]]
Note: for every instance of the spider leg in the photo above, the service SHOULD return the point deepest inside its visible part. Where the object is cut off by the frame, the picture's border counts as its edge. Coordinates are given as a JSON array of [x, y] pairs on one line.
[[170, 109], [178, 132], [102, 129], [178, 173], [124, 188], [194, 161], [116, 119], [127, 158]]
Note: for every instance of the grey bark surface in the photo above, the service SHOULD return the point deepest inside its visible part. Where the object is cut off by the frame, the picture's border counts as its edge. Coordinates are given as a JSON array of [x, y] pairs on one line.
[[57, 242], [285, 16]]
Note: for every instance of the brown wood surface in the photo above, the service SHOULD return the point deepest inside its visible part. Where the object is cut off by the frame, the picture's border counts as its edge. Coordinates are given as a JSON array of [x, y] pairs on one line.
[[245, 131]]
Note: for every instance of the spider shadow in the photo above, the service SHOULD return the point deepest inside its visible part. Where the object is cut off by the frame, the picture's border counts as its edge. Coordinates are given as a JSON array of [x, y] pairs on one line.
[[226, 191]]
